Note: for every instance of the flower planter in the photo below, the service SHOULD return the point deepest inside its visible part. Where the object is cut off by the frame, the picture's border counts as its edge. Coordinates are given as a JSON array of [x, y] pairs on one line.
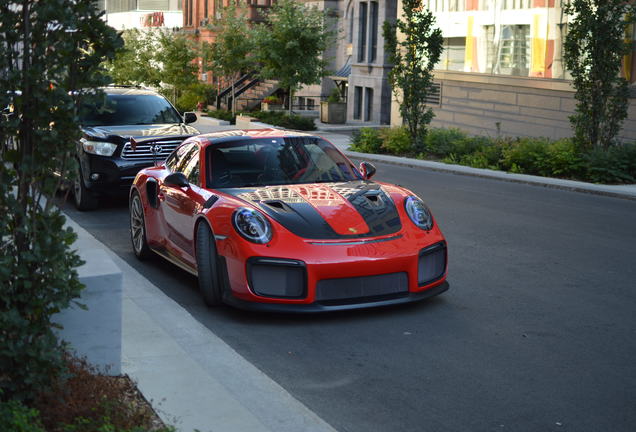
[[333, 112], [271, 107]]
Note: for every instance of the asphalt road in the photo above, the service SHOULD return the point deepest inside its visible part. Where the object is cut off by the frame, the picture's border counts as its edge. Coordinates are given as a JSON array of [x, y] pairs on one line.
[[537, 332]]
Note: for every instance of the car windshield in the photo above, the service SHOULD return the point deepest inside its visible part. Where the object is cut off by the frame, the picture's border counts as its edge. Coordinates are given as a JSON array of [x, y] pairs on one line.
[[276, 161], [126, 109]]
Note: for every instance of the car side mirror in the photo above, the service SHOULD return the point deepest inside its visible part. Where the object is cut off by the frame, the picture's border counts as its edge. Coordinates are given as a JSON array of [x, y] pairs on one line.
[[176, 179], [189, 117], [367, 169]]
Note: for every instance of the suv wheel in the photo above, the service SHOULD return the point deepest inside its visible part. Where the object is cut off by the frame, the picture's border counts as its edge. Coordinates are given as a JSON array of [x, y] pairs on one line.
[[84, 199]]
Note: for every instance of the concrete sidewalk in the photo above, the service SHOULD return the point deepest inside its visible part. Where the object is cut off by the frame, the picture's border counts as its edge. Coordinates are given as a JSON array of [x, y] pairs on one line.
[[193, 379]]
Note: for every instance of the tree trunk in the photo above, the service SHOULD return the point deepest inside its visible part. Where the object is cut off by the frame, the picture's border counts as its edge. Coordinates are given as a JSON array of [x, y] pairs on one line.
[[233, 99], [291, 99]]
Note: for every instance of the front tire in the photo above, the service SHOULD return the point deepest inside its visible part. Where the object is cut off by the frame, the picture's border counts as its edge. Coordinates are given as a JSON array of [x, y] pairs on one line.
[[84, 199], [207, 268], [138, 228]]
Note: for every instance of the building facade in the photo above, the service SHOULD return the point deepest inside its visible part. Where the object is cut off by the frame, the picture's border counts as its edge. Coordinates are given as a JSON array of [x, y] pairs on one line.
[[503, 72], [139, 14]]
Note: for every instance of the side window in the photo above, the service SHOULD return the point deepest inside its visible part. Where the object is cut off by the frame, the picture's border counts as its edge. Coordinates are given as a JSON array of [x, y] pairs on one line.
[[178, 159], [191, 167]]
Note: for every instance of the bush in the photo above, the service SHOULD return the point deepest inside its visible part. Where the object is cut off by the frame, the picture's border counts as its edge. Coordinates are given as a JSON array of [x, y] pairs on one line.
[[396, 140], [16, 417], [284, 120], [527, 156], [615, 165], [334, 96], [223, 115], [88, 402], [439, 142], [366, 140]]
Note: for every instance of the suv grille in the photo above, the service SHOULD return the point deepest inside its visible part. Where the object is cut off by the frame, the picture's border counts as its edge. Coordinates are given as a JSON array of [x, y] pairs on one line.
[[143, 152]]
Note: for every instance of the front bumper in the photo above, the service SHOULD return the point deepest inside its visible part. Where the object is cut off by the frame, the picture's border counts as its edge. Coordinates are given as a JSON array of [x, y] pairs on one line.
[[379, 272], [318, 307], [116, 175]]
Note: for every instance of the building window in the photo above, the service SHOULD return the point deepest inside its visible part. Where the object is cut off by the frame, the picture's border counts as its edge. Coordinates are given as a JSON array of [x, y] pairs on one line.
[[516, 4], [457, 5], [368, 103], [362, 32], [511, 54], [205, 8], [452, 57], [373, 27], [357, 102]]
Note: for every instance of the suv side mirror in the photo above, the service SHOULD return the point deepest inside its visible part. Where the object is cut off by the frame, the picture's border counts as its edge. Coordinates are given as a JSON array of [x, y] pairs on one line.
[[189, 117], [176, 179], [367, 169]]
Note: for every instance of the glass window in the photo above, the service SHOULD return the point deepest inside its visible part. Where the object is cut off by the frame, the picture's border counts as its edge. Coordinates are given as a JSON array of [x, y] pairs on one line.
[[362, 32], [357, 102], [373, 27], [180, 156], [368, 103], [276, 161], [452, 57], [130, 109], [511, 54], [191, 166]]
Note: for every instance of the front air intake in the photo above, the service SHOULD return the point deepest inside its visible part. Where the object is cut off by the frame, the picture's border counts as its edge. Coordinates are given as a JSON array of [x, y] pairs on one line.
[[432, 264], [277, 278]]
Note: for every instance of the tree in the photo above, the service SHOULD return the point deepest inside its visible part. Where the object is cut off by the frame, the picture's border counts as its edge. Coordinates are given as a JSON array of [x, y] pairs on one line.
[[135, 62], [594, 49], [176, 56], [155, 58], [50, 60], [232, 48], [413, 54], [289, 46]]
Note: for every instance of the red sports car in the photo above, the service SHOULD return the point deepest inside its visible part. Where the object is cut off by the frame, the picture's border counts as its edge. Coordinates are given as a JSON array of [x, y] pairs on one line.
[[283, 221]]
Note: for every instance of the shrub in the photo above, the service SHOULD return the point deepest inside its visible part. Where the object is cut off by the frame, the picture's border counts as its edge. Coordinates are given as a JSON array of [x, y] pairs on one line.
[[366, 140], [527, 156], [187, 101], [273, 100], [615, 165], [16, 417], [88, 402], [334, 96], [396, 140], [284, 120], [223, 115], [439, 141]]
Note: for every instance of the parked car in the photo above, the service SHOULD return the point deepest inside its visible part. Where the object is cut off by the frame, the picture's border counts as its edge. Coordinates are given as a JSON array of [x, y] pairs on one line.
[[106, 161], [283, 221]]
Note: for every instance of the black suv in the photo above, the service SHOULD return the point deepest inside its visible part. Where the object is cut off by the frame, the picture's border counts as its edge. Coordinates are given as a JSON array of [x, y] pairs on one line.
[[108, 163]]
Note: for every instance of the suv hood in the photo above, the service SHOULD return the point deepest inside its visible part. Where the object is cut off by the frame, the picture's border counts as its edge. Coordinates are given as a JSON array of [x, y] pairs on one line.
[[139, 131]]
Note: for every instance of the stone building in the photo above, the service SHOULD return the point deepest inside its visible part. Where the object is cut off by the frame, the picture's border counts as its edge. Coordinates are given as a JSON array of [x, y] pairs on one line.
[[502, 71]]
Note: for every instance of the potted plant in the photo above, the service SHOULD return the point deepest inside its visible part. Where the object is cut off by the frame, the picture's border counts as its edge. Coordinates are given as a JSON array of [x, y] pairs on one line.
[[271, 103], [333, 110]]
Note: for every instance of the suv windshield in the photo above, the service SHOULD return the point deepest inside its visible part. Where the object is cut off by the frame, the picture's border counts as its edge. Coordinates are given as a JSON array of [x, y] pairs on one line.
[[276, 161], [122, 109]]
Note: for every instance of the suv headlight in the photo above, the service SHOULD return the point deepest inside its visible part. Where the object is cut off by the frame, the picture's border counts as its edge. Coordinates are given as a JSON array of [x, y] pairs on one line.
[[418, 212], [252, 225], [101, 148]]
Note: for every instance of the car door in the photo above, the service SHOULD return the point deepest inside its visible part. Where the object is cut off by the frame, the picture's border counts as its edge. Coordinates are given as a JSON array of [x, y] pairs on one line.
[[180, 205]]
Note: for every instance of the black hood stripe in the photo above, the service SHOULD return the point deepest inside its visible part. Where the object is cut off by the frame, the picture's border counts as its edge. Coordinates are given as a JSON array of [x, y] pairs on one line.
[[289, 209]]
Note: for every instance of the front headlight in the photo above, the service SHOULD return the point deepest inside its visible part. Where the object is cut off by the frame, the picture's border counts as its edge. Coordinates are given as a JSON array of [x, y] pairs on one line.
[[418, 212], [99, 147], [252, 225]]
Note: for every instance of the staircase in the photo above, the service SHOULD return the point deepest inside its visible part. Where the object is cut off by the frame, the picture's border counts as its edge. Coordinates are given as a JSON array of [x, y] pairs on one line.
[[249, 90]]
